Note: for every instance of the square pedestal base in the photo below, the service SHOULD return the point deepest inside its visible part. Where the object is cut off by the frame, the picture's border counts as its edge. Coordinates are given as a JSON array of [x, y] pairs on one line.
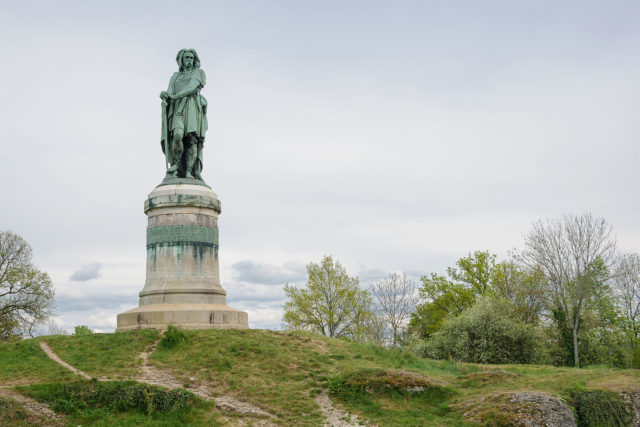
[[186, 316]]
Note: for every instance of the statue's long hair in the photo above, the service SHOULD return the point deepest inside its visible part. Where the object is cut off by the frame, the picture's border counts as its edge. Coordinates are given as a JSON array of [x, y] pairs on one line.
[[196, 59]]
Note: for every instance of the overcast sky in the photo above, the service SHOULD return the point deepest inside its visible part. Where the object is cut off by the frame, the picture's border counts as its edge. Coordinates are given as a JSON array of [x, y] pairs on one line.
[[393, 135]]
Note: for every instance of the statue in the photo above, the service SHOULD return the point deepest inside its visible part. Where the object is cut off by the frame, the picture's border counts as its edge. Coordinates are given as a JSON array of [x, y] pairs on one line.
[[184, 118]]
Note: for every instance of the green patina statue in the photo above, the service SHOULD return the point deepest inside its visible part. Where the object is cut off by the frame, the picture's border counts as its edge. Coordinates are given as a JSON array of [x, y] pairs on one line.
[[184, 118]]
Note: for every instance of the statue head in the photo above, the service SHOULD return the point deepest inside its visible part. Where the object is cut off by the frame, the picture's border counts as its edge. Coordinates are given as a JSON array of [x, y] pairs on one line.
[[191, 55]]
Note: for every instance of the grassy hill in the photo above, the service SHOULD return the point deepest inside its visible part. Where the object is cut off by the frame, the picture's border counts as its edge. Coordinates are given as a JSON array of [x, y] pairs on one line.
[[282, 374]]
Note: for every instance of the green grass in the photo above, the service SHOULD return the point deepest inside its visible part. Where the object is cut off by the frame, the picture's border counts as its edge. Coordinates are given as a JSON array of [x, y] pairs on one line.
[[283, 372], [23, 362], [120, 396], [104, 355], [121, 403], [395, 398]]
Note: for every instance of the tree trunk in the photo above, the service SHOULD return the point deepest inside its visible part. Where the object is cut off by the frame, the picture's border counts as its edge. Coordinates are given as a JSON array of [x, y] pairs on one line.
[[576, 359]]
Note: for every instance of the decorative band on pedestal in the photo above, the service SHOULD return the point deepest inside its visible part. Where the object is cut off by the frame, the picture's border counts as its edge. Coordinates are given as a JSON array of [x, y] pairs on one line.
[[182, 282]]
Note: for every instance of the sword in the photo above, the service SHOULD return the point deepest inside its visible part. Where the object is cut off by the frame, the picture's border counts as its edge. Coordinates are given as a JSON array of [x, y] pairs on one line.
[[165, 132]]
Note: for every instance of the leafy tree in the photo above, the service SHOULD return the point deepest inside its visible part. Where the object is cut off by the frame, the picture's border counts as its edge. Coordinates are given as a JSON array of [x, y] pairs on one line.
[[488, 332], [332, 303], [26, 293], [475, 271], [627, 290], [445, 296], [574, 254], [395, 299], [523, 287]]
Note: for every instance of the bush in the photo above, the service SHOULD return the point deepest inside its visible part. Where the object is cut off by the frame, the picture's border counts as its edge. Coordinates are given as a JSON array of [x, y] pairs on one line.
[[173, 336], [120, 396], [600, 408], [488, 332], [82, 330]]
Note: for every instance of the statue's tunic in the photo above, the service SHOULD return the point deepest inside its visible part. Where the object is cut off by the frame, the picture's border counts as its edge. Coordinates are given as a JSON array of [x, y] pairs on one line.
[[188, 113]]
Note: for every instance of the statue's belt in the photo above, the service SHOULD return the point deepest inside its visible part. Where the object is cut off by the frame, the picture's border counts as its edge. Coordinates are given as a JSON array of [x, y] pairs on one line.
[[183, 101]]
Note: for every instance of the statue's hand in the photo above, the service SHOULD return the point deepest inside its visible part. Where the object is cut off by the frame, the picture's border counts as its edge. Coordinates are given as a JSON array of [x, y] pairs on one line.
[[164, 95]]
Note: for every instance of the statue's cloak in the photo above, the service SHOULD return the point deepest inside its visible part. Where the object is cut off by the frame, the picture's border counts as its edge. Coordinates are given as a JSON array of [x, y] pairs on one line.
[[188, 113]]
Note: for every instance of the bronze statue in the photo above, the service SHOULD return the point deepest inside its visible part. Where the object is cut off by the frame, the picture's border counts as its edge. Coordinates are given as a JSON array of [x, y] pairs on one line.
[[184, 118]]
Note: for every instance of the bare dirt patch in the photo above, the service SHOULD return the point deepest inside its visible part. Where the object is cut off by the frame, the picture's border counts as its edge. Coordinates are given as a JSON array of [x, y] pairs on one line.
[[334, 416]]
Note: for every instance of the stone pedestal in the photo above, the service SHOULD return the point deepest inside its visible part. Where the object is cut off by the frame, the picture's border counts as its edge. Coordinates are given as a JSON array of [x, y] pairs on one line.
[[182, 286]]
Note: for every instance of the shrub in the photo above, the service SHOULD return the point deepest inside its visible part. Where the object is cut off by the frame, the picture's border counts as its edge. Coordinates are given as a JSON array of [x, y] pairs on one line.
[[82, 330], [173, 336], [120, 396], [488, 332], [600, 408]]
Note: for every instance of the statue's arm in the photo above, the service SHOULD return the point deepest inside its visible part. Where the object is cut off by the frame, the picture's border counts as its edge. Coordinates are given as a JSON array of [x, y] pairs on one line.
[[187, 90], [169, 92]]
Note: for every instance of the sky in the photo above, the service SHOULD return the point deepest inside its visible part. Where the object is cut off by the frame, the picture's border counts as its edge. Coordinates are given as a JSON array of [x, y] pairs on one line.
[[396, 136]]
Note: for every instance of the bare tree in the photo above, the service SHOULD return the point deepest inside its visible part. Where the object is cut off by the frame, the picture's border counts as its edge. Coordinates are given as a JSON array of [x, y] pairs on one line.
[[573, 253], [627, 287], [26, 293], [395, 298]]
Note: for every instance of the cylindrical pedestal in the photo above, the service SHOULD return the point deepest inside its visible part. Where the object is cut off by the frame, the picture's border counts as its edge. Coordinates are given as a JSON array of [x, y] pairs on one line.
[[182, 284]]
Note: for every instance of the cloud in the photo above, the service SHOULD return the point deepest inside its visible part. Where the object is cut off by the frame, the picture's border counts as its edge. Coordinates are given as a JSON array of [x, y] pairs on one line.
[[256, 272], [88, 272], [369, 274], [94, 301]]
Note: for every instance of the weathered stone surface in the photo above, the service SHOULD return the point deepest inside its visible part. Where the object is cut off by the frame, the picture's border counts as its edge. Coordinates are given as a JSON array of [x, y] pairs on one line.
[[632, 401], [182, 263], [187, 316], [523, 409]]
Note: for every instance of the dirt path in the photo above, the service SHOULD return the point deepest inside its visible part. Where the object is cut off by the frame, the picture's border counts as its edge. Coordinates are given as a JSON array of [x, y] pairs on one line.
[[34, 407], [335, 417], [150, 375], [45, 347]]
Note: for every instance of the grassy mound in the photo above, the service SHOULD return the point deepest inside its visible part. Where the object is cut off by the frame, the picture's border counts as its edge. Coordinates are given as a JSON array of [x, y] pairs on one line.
[[104, 355], [394, 397], [362, 384], [23, 362], [282, 373]]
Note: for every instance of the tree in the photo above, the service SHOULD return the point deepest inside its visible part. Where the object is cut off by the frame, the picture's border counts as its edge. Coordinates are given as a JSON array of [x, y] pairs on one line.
[[26, 293], [574, 254], [332, 304], [395, 299], [522, 286], [627, 289], [450, 296]]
